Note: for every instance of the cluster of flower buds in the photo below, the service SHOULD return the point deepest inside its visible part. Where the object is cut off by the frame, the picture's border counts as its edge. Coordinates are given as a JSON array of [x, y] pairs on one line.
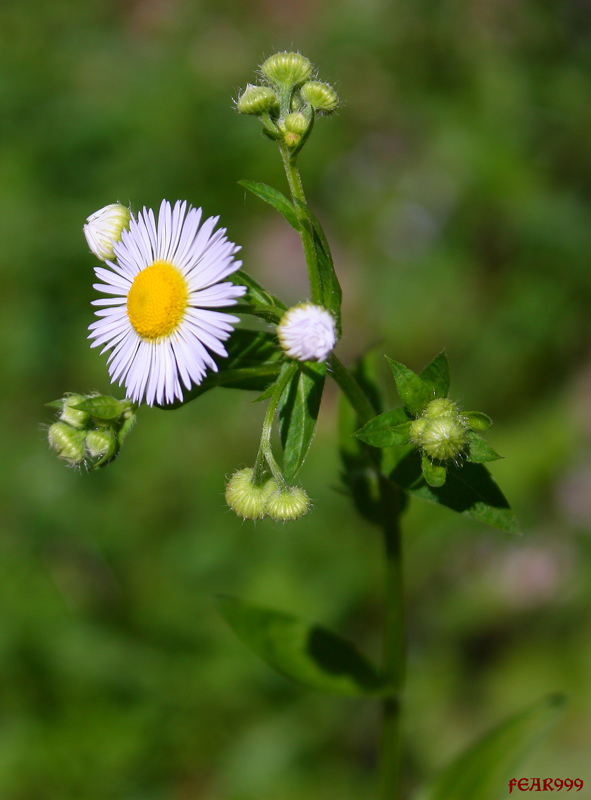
[[252, 500], [90, 428], [287, 99], [443, 434]]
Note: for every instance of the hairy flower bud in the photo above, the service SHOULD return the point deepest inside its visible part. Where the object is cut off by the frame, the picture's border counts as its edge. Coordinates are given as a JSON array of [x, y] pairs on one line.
[[68, 442], [256, 100], [307, 332], [441, 407], [247, 499], [74, 417], [104, 228], [321, 96], [286, 505], [101, 442], [441, 438], [287, 69]]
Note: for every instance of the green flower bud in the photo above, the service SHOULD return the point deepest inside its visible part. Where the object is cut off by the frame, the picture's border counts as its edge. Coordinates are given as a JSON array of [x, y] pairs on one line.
[[287, 69], [416, 429], [286, 505], [443, 437], [245, 498], [256, 100], [441, 407], [296, 123], [68, 442], [101, 442], [104, 228], [321, 96], [74, 417]]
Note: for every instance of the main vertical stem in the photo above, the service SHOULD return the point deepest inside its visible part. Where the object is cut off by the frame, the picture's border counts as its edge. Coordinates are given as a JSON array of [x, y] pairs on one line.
[[394, 644]]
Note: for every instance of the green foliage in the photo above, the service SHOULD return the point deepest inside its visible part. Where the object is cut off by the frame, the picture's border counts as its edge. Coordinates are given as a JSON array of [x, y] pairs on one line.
[[298, 412], [482, 772], [412, 390], [275, 198], [305, 653]]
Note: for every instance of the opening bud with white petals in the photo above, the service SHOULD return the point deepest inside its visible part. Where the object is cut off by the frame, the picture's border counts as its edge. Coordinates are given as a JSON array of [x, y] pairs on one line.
[[104, 228], [307, 332]]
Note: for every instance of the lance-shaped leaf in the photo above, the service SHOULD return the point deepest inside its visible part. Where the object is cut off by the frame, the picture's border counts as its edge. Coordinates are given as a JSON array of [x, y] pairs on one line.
[[275, 198], [436, 376], [479, 450], [390, 428], [254, 361], [305, 653], [103, 407], [434, 474], [476, 420], [482, 772], [330, 288], [469, 488], [412, 390], [298, 412]]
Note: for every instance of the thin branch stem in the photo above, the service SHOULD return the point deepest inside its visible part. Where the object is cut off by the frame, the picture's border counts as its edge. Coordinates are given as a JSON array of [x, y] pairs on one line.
[[265, 453]]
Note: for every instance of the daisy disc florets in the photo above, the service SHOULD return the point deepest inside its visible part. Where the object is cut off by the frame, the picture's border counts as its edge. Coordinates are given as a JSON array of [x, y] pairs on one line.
[[161, 320]]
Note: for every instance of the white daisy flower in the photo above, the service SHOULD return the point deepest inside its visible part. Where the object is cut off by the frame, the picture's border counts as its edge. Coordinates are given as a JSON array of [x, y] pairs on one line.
[[307, 332], [159, 320], [104, 228]]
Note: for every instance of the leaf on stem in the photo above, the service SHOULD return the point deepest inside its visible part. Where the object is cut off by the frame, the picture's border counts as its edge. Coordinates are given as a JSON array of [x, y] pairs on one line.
[[274, 198], [469, 488], [390, 428], [436, 376], [298, 412], [414, 392], [484, 769], [305, 653]]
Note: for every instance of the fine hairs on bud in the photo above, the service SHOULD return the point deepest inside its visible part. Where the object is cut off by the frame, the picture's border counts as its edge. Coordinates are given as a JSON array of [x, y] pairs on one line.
[[287, 69], [287, 505], [256, 100], [321, 96], [246, 499]]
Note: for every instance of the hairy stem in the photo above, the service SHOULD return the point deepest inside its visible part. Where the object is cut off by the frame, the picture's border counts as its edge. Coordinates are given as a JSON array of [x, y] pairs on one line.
[[265, 454]]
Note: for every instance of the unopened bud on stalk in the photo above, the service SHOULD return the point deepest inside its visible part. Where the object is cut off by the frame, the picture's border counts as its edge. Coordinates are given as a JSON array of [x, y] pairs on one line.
[[246, 499], [68, 442], [101, 442], [307, 332], [286, 505], [287, 69], [321, 96], [256, 100], [441, 432], [104, 228]]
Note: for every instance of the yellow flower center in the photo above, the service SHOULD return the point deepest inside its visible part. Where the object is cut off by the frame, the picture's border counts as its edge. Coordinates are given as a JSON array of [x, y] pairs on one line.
[[157, 300]]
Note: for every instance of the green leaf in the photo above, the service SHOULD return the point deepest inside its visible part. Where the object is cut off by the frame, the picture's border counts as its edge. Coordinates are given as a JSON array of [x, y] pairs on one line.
[[103, 407], [254, 361], [477, 421], [469, 488], [387, 429], [329, 283], [298, 412], [479, 451], [257, 300], [305, 653], [436, 375], [56, 404], [412, 390], [433, 474], [483, 771], [275, 198]]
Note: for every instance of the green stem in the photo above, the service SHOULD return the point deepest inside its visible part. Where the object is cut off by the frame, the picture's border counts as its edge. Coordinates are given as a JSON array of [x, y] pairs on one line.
[[265, 453], [393, 635], [306, 232], [394, 643]]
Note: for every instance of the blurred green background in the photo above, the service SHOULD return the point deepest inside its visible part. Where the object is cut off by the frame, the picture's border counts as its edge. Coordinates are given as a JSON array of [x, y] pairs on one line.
[[454, 183]]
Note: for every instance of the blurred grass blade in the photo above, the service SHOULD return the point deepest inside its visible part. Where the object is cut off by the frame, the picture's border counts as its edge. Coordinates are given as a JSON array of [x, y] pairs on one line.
[[305, 653], [482, 772]]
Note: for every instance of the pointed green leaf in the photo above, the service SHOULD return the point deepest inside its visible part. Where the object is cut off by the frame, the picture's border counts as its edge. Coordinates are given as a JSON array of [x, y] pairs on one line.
[[469, 488], [275, 198], [436, 375], [331, 294], [56, 404], [477, 421], [387, 429], [102, 406], [298, 412], [479, 450], [483, 771], [412, 390], [305, 653], [259, 300], [434, 474]]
